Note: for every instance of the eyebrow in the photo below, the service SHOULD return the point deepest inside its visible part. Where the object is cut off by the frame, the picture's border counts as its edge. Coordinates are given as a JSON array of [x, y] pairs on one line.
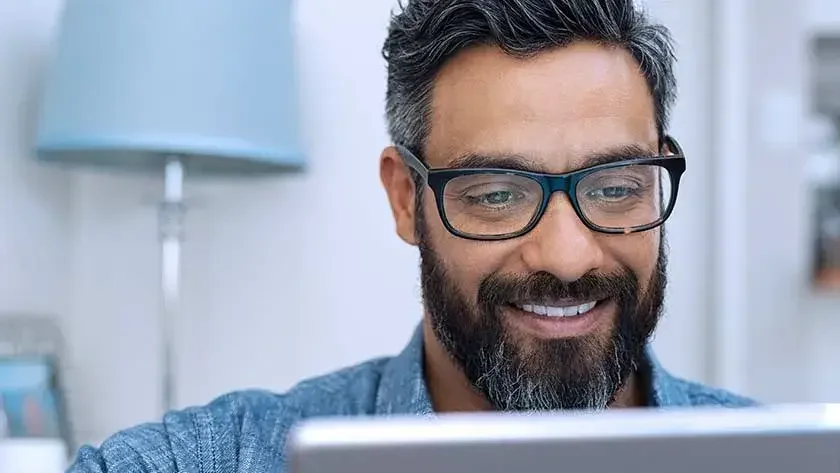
[[518, 162]]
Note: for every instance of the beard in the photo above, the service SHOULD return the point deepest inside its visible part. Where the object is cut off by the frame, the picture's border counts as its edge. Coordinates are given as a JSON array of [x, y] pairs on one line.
[[579, 373]]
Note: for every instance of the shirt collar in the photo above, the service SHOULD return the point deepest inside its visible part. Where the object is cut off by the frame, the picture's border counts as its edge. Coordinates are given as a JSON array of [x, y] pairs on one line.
[[664, 390], [403, 390]]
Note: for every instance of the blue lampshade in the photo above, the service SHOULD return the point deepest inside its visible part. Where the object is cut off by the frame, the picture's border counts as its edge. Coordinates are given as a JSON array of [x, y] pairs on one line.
[[211, 81]]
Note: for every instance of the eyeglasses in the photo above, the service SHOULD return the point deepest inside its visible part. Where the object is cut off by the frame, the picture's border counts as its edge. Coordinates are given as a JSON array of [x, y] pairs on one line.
[[626, 196]]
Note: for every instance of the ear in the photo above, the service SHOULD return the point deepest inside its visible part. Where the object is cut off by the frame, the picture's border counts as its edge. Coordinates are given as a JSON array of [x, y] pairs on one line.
[[669, 148], [398, 184]]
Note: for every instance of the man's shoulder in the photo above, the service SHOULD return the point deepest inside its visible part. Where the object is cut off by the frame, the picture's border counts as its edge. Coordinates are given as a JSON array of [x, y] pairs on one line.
[[681, 392], [240, 428], [669, 390]]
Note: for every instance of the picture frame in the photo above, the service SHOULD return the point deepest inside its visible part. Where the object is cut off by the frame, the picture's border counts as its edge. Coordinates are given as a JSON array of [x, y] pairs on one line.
[[826, 246], [31, 398]]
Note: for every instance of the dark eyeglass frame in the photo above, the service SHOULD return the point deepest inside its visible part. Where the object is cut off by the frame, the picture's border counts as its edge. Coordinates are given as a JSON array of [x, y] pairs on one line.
[[438, 178]]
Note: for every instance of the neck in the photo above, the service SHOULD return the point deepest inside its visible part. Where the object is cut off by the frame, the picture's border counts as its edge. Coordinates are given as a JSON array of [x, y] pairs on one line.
[[451, 391]]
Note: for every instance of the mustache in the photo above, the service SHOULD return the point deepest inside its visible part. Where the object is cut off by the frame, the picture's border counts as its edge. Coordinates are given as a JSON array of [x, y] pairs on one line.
[[499, 289]]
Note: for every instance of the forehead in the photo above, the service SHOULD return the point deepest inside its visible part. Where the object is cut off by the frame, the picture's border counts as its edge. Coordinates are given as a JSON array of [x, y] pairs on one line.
[[556, 107]]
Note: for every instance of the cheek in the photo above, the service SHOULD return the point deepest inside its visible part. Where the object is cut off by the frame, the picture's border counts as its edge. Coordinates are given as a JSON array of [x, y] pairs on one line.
[[467, 262], [638, 252]]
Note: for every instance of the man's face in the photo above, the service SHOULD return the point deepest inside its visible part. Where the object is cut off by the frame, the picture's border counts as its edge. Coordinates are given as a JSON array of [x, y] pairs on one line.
[[557, 110]]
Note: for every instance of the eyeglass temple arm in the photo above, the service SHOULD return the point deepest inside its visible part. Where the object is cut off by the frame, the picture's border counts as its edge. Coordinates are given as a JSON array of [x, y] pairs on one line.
[[412, 161]]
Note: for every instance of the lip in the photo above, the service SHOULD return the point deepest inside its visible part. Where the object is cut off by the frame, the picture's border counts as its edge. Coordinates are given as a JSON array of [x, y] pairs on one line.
[[560, 327]]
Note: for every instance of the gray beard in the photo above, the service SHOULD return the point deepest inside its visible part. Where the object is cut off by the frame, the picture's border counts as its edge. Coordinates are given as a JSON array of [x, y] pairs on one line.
[[514, 389], [584, 373]]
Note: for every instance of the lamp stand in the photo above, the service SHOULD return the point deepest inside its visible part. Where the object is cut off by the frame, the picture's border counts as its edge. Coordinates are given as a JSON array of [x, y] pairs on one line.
[[170, 222]]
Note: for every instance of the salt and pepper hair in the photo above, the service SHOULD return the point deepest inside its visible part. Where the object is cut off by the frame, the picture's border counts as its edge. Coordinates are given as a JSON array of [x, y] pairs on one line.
[[424, 34]]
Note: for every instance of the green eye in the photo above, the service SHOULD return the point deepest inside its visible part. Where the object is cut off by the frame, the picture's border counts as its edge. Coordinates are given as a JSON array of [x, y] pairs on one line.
[[611, 193], [492, 198]]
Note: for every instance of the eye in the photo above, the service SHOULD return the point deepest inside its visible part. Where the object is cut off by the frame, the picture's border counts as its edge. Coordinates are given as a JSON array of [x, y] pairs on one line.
[[612, 193], [495, 198]]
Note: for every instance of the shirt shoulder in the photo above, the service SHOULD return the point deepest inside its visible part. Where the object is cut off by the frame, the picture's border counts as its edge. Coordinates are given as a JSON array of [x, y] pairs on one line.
[[241, 431], [689, 393], [667, 390]]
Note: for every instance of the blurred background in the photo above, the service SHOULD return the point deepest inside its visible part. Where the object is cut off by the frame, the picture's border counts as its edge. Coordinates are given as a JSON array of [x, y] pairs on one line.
[[297, 275]]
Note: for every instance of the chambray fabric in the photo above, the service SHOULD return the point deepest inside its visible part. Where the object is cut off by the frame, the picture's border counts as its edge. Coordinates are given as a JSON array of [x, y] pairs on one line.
[[245, 432]]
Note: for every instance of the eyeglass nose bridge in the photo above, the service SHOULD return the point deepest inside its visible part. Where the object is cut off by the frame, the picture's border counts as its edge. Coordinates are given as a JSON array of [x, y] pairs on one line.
[[559, 183], [552, 184]]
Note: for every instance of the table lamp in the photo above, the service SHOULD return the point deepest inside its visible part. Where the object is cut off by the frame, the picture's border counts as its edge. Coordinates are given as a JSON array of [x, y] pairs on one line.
[[173, 87]]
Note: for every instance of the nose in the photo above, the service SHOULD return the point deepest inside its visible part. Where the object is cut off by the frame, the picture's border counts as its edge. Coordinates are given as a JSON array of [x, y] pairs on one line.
[[561, 244]]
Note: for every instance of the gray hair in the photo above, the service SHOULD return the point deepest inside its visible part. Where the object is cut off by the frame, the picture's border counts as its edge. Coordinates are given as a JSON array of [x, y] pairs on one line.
[[424, 34]]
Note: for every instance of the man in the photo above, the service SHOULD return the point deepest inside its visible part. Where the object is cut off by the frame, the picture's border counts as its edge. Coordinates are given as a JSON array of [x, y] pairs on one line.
[[533, 171]]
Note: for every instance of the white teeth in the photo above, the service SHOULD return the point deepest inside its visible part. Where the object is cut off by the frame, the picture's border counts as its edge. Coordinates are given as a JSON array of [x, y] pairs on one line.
[[552, 311]]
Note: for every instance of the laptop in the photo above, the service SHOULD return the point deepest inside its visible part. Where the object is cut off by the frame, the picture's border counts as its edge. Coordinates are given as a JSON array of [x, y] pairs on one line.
[[771, 439]]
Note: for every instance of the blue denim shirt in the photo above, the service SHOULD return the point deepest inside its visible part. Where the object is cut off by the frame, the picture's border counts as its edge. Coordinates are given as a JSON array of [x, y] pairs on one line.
[[245, 432]]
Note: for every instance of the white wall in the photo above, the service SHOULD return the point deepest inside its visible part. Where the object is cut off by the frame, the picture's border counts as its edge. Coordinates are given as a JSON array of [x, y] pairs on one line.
[[778, 233], [299, 275], [34, 200], [822, 15]]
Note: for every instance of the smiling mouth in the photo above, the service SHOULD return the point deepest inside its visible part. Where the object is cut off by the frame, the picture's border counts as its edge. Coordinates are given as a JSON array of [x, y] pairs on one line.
[[557, 310], [561, 318]]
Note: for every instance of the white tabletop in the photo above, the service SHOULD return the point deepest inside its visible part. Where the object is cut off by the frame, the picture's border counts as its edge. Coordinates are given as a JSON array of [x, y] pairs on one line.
[[33, 456]]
